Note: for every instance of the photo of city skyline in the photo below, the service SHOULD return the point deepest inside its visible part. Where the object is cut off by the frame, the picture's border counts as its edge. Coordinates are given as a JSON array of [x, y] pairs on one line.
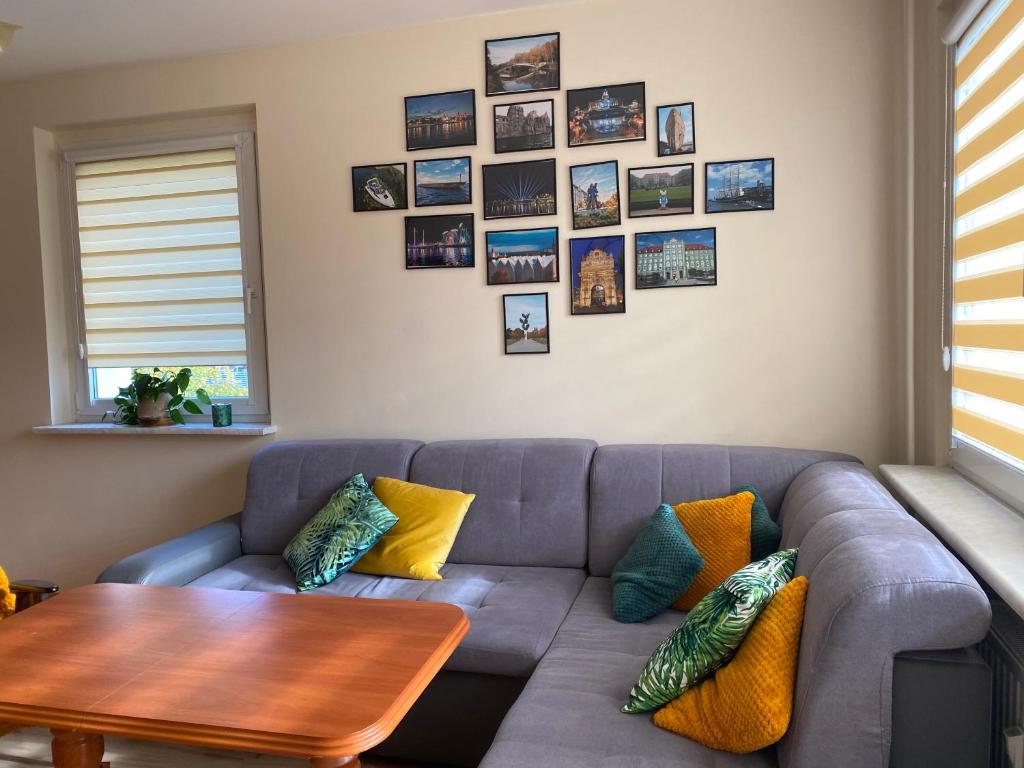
[[522, 256], [676, 134], [512, 190], [522, 64], [439, 241], [677, 258], [606, 114], [739, 185], [443, 182], [440, 120], [595, 194], [526, 323], [660, 190]]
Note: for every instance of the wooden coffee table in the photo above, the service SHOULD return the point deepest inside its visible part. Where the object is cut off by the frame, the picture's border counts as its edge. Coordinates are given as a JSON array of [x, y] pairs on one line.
[[321, 678]]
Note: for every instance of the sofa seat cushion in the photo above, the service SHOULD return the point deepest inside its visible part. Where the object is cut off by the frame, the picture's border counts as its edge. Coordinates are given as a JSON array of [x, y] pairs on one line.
[[569, 712], [514, 611]]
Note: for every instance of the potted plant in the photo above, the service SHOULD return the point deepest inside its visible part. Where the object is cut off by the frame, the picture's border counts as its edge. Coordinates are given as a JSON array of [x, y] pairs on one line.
[[156, 399]]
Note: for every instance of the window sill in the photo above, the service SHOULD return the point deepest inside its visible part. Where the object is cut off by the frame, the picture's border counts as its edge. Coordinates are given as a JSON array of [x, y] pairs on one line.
[[986, 534], [107, 428]]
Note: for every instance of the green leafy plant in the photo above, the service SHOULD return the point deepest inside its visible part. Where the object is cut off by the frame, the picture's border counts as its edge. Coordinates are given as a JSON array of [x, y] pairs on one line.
[[149, 386]]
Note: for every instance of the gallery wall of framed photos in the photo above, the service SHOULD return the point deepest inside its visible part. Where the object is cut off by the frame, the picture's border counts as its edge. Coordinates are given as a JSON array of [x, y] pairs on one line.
[[598, 117]]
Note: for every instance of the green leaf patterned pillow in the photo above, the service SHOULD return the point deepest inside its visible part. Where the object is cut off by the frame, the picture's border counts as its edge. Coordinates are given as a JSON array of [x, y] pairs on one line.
[[338, 535], [710, 633]]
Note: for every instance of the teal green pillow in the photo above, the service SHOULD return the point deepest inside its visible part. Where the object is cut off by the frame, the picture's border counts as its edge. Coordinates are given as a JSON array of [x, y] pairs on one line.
[[710, 633], [657, 569], [338, 535], [765, 533]]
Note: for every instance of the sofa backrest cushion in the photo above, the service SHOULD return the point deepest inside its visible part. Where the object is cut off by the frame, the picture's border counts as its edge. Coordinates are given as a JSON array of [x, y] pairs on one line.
[[628, 482], [531, 498], [289, 482]]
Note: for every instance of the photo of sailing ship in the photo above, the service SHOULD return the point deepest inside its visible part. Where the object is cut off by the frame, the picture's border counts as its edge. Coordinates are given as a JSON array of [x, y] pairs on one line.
[[526, 323], [440, 120], [606, 114], [676, 134], [439, 241], [595, 194], [379, 188], [740, 185], [442, 182], [522, 256], [524, 125], [512, 190], [660, 190], [522, 64]]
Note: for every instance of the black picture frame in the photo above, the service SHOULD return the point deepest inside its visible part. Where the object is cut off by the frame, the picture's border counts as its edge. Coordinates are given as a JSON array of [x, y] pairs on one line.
[[640, 251], [490, 77], [505, 327], [596, 219], [634, 213], [765, 203], [467, 200], [508, 140], [364, 193], [456, 138], [581, 96], [432, 253], [489, 248], [665, 152], [502, 191], [579, 304]]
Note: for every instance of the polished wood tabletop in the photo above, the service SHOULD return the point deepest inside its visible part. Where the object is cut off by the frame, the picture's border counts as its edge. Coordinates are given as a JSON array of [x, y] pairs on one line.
[[311, 676]]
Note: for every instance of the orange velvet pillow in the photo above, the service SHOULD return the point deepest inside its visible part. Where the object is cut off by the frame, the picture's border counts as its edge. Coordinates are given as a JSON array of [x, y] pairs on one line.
[[720, 530]]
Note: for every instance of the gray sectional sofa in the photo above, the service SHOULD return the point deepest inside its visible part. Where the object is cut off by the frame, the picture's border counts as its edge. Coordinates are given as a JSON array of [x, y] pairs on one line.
[[540, 678]]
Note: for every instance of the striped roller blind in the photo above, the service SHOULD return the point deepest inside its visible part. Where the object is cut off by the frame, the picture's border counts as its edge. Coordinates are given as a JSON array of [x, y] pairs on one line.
[[988, 231], [161, 260]]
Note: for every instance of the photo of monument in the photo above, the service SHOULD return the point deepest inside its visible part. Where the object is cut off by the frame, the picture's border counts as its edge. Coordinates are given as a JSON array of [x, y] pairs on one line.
[[675, 130], [522, 64], [524, 125], [598, 281], [739, 185], [606, 114], [595, 195], [522, 256], [526, 323], [680, 258], [660, 190], [440, 120]]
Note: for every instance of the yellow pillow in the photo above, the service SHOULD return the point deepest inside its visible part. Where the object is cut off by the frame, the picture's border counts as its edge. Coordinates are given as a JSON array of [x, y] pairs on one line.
[[418, 544], [747, 704], [720, 530], [7, 599]]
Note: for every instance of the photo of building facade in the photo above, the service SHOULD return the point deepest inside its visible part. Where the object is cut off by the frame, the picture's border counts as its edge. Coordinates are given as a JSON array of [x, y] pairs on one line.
[[683, 257], [598, 286], [526, 125]]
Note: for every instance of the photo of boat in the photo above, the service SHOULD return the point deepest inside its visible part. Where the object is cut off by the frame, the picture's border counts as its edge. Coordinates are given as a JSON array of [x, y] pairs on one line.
[[375, 189], [379, 188], [740, 185]]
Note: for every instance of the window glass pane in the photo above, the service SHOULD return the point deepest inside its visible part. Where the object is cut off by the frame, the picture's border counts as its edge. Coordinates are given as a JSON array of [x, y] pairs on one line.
[[220, 381]]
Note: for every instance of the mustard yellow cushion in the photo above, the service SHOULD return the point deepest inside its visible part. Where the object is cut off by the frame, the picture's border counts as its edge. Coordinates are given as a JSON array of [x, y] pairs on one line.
[[720, 530], [418, 544], [748, 703], [7, 599]]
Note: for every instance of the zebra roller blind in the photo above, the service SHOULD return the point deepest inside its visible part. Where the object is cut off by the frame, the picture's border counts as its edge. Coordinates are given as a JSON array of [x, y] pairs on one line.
[[988, 234]]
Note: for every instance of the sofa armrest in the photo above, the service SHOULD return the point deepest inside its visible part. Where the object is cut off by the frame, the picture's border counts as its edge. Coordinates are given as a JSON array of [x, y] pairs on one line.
[[176, 562], [880, 584]]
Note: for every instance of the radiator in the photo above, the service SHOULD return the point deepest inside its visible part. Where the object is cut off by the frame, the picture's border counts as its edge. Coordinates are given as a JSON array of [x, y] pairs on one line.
[[1003, 650]]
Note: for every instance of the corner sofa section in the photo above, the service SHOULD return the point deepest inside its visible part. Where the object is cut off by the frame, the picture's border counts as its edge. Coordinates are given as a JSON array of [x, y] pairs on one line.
[[531, 566]]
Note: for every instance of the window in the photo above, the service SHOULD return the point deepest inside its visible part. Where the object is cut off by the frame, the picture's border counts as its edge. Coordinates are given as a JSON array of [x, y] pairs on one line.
[[166, 257], [988, 243]]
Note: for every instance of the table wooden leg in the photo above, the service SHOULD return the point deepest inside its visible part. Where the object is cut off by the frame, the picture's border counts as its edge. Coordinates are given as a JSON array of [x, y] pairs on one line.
[[334, 762], [74, 749]]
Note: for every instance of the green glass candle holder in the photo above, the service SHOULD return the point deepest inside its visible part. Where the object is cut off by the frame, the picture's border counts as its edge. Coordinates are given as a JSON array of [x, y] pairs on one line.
[[221, 413]]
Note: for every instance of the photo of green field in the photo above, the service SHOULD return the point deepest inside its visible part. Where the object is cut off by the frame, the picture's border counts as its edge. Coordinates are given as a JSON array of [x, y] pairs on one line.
[[661, 190]]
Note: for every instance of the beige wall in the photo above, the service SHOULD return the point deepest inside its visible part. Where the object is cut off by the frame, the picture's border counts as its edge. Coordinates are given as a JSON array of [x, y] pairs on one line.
[[794, 347]]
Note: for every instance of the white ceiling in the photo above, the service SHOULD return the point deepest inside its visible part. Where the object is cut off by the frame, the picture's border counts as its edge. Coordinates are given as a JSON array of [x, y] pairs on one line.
[[66, 35]]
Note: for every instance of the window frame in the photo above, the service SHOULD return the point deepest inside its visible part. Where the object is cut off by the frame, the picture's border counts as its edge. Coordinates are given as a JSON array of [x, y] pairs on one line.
[[255, 408]]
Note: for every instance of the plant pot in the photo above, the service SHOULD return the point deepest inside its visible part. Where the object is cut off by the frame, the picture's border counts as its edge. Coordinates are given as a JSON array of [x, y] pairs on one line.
[[153, 413]]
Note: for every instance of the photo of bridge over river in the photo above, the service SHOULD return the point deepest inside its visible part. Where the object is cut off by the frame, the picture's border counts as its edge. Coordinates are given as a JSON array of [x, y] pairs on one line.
[[522, 64]]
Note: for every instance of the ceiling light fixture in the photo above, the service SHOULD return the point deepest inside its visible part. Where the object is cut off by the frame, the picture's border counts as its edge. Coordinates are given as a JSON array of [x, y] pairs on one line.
[[7, 35]]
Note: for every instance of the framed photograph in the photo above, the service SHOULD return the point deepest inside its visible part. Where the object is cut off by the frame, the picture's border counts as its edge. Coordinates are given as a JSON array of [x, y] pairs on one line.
[[676, 134], [675, 259], [524, 125], [440, 120], [439, 241], [598, 275], [512, 190], [606, 114], [595, 195], [442, 182], [379, 188], [739, 185], [522, 64], [522, 256], [525, 325], [660, 190]]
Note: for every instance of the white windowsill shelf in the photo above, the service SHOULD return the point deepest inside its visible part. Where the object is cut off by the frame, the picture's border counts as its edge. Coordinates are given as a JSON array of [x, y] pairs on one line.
[[107, 428], [985, 533]]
